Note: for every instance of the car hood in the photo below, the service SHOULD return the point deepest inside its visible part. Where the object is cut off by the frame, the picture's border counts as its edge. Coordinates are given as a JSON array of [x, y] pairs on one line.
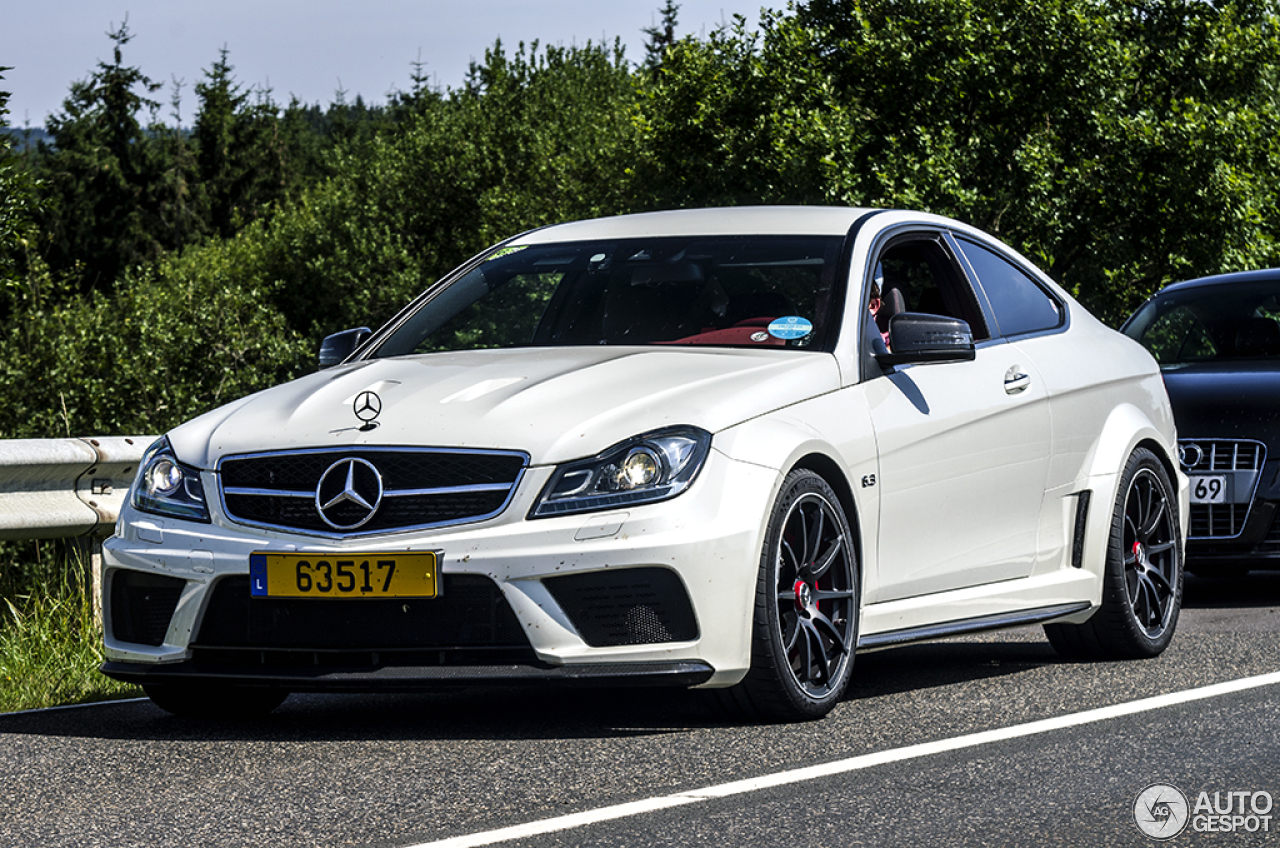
[[556, 404], [1226, 400]]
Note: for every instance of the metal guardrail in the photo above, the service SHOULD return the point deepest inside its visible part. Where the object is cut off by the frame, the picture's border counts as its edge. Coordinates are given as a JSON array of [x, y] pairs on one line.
[[68, 488], [61, 488]]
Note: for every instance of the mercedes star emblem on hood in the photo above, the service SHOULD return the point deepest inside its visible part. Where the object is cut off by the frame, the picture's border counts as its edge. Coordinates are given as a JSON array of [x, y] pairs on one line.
[[367, 406]]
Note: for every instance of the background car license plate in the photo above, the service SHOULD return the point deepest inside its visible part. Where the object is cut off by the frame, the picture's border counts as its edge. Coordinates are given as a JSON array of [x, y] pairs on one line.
[[1210, 489], [384, 575]]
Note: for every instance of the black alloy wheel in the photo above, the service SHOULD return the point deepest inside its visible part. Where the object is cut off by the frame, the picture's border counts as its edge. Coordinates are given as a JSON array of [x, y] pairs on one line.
[[1150, 550], [806, 615], [1142, 583]]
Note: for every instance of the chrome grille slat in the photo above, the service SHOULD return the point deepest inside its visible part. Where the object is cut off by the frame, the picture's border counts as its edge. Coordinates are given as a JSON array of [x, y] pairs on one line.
[[271, 493], [450, 490]]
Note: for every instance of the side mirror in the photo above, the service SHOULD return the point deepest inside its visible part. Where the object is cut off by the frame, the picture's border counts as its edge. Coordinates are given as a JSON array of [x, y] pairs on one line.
[[914, 337], [339, 346]]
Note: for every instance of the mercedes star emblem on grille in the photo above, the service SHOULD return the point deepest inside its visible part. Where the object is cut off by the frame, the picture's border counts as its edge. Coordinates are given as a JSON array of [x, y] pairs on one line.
[[349, 493], [367, 406], [1190, 454]]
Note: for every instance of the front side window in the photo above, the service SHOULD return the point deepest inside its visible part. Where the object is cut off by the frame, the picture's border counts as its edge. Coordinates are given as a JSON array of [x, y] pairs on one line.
[[917, 274], [730, 291], [1211, 323]]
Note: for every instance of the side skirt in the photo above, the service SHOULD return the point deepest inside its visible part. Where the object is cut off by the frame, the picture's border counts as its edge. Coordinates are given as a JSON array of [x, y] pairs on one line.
[[998, 621]]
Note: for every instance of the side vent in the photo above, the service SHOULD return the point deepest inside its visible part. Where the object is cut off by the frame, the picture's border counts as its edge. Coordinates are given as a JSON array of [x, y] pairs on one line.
[[1077, 539]]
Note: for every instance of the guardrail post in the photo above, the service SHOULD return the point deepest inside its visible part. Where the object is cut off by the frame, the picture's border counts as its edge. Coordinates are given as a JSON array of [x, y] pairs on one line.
[[84, 553], [95, 579]]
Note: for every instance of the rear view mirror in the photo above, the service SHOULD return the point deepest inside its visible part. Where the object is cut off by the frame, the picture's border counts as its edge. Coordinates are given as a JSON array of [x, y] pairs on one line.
[[644, 273], [915, 337], [339, 346]]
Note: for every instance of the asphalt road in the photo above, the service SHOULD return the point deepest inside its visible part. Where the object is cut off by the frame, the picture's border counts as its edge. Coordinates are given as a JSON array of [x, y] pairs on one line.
[[403, 770]]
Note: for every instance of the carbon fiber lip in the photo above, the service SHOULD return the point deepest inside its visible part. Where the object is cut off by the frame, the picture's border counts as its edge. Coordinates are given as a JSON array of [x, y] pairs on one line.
[[408, 678]]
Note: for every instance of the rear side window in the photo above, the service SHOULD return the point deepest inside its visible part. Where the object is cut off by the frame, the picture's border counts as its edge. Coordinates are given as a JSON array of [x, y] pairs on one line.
[[1019, 303]]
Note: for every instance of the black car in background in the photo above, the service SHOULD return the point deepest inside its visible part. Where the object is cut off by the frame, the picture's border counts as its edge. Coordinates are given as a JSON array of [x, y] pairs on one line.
[[1217, 340]]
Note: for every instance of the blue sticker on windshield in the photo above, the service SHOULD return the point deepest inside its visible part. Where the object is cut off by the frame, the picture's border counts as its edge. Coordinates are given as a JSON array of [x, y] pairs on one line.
[[790, 327]]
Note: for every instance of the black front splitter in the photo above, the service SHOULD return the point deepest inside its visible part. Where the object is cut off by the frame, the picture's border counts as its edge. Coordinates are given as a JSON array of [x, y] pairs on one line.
[[415, 678]]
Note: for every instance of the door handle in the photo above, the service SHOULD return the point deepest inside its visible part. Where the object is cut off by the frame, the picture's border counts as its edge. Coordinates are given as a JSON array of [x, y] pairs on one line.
[[1016, 382]]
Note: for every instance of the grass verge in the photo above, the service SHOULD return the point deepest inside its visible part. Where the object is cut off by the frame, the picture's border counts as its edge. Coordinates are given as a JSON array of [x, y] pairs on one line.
[[50, 645]]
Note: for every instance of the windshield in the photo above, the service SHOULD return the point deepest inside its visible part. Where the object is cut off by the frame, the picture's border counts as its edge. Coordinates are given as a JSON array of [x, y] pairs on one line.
[[732, 291], [1211, 323]]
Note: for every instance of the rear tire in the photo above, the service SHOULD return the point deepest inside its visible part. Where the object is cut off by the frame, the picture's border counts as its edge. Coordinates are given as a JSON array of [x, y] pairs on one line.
[[1142, 583], [805, 625], [214, 700]]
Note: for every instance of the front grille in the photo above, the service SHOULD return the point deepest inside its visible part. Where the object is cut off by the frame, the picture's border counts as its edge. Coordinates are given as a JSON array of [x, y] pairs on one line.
[[1241, 461], [632, 606], [469, 615], [397, 488], [142, 605]]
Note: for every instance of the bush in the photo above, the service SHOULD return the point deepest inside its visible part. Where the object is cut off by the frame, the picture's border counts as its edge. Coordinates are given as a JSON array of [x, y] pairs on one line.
[[173, 340]]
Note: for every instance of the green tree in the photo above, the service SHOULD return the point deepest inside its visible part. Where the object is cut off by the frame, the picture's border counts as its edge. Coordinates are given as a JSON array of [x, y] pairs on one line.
[[17, 202], [254, 156], [1121, 145], [538, 136], [173, 192], [658, 39], [219, 135], [98, 175]]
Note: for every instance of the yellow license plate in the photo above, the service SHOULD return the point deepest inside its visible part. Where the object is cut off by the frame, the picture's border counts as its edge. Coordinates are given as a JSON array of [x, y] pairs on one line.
[[393, 575]]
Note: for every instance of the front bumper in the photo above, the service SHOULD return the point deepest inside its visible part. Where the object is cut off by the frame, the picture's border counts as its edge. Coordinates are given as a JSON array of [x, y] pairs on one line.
[[1241, 529], [657, 594]]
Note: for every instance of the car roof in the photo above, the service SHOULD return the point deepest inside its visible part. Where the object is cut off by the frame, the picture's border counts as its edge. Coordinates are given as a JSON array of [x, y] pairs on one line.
[[1237, 278], [733, 220]]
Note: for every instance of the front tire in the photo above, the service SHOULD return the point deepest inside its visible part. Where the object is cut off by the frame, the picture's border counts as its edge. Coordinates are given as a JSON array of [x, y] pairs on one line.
[[1142, 584], [805, 626]]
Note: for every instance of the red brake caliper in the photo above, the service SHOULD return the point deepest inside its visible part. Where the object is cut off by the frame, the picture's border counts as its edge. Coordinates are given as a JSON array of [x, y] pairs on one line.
[[801, 590]]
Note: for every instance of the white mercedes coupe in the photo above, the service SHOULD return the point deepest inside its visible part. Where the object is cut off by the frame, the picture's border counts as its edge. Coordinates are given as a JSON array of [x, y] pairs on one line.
[[718, 448]]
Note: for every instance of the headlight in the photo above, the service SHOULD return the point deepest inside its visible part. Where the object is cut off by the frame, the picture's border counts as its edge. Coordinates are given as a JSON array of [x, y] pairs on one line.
[[167, 487], [648, 468]]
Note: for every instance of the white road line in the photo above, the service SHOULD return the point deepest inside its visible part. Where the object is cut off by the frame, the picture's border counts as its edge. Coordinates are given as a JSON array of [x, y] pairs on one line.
[[108, 703], [754, 784]]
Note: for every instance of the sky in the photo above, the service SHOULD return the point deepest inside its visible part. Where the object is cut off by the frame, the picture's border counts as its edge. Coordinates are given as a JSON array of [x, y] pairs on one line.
[[309, 48]]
